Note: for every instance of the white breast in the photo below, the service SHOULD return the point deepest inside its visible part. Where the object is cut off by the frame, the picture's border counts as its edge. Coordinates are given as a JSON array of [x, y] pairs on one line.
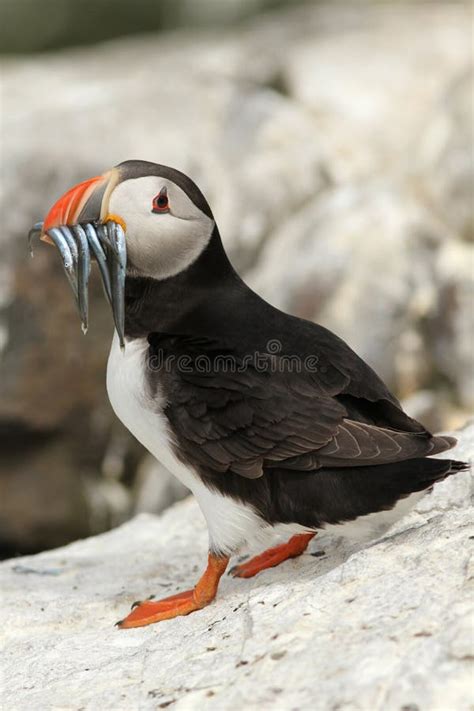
[[230, 523]]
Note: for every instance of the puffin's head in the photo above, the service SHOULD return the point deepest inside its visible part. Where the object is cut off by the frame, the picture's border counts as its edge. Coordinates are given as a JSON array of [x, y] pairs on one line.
[[165, 217], [140, 218]]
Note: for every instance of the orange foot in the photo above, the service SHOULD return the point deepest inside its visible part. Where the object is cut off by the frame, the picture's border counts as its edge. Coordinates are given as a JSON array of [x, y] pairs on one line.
[[273, 556], [149, 611]]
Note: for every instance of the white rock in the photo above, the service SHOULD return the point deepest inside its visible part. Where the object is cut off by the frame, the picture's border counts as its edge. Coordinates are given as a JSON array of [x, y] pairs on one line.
[[385, 625], [374, 89]]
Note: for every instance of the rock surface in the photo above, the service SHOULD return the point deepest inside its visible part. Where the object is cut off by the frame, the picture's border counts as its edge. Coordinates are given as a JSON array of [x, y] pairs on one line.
[[340, 172], [383, 625]]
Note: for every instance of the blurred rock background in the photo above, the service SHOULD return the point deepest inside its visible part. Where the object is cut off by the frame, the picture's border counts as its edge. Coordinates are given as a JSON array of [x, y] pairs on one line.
[[334, 142]]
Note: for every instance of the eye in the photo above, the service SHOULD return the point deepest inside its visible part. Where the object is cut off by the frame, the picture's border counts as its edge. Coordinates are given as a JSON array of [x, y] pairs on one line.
[[161, 202]]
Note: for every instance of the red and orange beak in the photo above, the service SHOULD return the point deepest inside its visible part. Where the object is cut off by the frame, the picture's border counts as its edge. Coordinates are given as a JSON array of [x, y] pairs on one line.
[[81, 204], [81, 228]]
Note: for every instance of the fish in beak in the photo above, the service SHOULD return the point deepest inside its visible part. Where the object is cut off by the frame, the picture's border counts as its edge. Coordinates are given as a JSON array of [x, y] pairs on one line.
[[81, 228]]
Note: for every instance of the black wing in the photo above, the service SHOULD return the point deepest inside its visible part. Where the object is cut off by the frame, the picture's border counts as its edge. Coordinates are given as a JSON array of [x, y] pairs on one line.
[[229, 414]]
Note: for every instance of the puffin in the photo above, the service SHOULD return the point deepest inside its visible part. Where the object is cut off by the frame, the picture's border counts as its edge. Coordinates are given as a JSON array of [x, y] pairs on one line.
[[272, 421]]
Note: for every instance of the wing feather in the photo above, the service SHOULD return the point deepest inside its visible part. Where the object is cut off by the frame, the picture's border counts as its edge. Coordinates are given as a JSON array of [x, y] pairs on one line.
[[248, 421]]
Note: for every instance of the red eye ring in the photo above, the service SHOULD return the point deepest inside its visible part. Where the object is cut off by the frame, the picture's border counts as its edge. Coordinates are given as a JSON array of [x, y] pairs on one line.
[[161, 202]]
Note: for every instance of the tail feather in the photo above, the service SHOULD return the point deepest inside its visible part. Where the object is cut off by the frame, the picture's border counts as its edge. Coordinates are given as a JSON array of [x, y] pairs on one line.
[[337, 495], [441, 443]]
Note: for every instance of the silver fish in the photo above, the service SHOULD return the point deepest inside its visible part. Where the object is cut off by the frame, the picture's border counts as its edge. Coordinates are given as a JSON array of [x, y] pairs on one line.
[[117, 277], [83, 272], [59, 240], [101, 259], [77, 244]]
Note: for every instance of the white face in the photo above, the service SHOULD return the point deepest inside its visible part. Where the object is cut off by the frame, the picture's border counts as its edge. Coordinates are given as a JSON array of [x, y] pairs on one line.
[[159, 245]]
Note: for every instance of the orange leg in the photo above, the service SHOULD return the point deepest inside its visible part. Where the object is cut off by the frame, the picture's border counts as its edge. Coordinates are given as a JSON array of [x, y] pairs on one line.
[[149, 611], [273, 556]]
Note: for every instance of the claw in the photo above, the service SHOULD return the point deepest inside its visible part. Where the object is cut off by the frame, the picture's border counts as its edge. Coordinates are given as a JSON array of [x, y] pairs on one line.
[[68, 261], [83, 271], [101, 259]]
